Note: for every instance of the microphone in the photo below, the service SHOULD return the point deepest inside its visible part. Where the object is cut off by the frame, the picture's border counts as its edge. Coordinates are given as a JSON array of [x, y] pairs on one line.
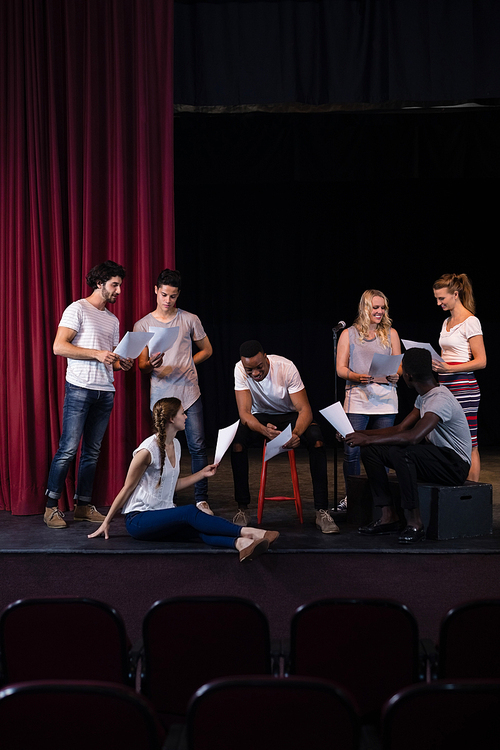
[[339, 326]]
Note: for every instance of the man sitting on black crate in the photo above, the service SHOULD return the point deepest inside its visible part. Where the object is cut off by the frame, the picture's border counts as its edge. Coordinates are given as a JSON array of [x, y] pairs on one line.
[[432, 444]]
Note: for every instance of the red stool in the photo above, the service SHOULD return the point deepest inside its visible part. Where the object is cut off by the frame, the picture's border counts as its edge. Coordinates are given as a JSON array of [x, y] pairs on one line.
[[295, 483]]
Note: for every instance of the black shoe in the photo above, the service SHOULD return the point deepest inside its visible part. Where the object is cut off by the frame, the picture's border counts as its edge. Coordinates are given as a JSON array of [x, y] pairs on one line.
[[410, 535], [377, 527]]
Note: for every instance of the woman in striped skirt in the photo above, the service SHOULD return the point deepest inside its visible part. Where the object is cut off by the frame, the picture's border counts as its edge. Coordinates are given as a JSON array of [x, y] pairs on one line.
[[462, 349]]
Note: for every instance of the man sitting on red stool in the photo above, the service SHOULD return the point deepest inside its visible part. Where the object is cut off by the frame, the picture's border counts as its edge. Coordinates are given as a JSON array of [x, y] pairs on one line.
[[270, 395]]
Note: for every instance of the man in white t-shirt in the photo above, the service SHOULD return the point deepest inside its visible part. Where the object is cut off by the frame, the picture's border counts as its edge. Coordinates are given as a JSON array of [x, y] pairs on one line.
[[87, 334], [173, 372], [270, 395]]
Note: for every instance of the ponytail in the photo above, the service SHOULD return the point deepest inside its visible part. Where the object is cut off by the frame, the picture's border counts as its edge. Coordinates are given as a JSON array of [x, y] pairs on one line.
[[458, 283]]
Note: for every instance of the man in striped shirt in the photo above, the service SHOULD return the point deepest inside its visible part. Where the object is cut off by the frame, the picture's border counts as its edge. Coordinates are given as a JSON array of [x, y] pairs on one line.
[[87, 335]]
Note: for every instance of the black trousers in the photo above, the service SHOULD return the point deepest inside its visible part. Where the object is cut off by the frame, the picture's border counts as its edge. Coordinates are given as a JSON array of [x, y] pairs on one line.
[[412, 463], [317, 457]]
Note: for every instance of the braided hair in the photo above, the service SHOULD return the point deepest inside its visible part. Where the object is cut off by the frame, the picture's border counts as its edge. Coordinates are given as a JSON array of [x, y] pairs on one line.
[[163, 411]]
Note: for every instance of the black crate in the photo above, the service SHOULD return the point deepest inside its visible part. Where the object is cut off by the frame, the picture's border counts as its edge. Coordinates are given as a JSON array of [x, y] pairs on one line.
[[447, 512], [456, 512]]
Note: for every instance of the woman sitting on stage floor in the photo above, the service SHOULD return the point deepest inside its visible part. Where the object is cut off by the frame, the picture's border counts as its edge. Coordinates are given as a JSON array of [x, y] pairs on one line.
[[147, 495]]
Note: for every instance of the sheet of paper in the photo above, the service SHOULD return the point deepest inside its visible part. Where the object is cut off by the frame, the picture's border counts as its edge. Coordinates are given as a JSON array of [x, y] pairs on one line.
[[419, 345], [132, 344], [337, 417], [385, 364], [224, 440], [275, 446], [163, 338]]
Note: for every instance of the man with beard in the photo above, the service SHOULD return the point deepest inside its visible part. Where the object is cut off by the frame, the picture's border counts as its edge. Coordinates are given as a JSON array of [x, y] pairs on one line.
[[87, 335]]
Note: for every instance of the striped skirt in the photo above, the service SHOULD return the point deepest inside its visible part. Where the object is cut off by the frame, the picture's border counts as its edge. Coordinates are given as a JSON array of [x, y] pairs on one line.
[[464, 387]]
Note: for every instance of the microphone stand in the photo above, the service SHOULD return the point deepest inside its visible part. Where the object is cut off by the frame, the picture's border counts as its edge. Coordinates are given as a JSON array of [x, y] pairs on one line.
[[335, 332]]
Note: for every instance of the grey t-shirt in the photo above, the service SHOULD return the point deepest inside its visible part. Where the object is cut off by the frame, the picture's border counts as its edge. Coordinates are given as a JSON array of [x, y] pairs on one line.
[[452, 430], [177, 376]]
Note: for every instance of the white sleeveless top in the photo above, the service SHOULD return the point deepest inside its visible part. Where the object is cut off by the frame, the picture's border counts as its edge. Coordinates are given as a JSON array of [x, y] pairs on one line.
[[372, 398], [147, 495]]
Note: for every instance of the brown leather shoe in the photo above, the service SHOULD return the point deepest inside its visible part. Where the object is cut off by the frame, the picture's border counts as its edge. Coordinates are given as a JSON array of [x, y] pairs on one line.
[[271, 536], [88, 513], [54, 518], [258, 547]]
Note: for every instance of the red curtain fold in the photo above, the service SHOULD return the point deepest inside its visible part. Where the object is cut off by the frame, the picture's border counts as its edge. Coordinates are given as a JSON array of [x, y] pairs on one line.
[[86, 174]]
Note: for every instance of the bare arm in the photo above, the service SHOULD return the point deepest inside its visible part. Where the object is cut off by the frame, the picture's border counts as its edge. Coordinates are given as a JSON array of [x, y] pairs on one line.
[[412, 430], [149, 363], [63, 347], [301, 405], [244, 404], [138, 466], [206, 472], [205, 351], [478, 361], [343, 369]]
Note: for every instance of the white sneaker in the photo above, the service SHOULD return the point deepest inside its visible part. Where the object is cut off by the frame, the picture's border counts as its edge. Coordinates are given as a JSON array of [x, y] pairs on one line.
[[342, 506], [325, 523]]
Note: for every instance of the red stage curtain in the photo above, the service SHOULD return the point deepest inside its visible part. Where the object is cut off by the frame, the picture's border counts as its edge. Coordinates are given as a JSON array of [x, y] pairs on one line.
[[86, 174]]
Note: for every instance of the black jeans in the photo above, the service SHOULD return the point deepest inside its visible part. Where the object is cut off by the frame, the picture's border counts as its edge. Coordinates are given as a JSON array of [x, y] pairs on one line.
[[412, 463], [317, 457]]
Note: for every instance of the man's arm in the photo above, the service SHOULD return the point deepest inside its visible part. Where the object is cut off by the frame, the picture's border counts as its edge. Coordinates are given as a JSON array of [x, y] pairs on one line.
[[148, 363], [64, 348], [412, 430], [244, 404], [302, 407], [205, 350]]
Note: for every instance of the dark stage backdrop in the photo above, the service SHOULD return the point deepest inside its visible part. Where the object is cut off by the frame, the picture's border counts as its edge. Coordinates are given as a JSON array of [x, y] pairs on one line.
[[335, 51], [283, 220], [86, 175]]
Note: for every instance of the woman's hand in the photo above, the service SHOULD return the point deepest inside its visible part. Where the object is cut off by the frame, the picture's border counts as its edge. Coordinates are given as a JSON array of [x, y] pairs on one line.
[[103, 529], [438, 366], [393, 378]]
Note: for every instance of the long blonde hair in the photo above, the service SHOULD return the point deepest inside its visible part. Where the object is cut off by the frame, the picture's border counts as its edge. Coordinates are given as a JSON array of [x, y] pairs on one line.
[[458, 282], [362, 322], [163, 412]]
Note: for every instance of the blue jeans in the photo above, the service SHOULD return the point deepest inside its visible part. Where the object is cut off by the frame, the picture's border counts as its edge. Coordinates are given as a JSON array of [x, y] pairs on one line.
[[352, 464], [181, 524], [85, 414], [195, 439]]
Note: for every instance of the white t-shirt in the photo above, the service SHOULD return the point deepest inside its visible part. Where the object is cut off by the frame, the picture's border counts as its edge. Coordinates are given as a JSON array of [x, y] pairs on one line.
[[271, 395], [147, 495], [454, 344], [95, 329], [177, 376]]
